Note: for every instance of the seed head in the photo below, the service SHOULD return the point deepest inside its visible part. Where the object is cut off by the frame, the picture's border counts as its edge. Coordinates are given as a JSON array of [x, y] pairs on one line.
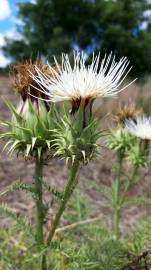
[[23, 82], [127, 111]]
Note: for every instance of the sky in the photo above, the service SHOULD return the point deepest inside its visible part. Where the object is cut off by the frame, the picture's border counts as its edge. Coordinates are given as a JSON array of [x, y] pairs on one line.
[[8, 20]]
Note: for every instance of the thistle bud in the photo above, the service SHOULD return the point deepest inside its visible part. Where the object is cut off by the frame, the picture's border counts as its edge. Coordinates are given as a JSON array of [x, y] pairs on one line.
[[125, 112], [30, 128], [72, 140], [140, 127], [24, 84]]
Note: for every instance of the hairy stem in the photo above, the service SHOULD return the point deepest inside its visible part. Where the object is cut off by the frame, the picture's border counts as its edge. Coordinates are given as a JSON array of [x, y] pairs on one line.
[[39, 209], [67, 193], [117, 208]]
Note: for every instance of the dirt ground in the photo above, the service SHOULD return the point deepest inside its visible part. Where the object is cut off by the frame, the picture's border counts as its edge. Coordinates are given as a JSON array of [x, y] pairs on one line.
[[99, 171]]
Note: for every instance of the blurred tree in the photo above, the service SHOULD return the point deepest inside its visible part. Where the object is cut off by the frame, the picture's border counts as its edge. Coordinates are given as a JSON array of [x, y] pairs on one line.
[[123, 32], [52, 26]]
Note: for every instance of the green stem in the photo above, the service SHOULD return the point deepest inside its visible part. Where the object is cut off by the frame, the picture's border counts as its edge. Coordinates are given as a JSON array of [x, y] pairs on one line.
[[132, 180], [71, 184], [129, 183], [39, 209], [117, 208]]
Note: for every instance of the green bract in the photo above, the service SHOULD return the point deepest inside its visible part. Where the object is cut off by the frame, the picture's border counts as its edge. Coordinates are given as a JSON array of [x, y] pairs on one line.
[[120, 140], [73, 140], [129, 145], [30, 130], [139, 157]]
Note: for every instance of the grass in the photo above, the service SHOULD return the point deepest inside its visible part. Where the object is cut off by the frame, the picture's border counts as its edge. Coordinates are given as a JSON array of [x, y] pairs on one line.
[[80, 248], [83, 247]]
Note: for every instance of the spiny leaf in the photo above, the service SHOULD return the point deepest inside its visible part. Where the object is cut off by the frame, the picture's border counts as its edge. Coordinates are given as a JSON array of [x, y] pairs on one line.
[[5, 146], [13, 110], [22, 222], [18, 186], [53, 191], [40, 128], [13, 146]]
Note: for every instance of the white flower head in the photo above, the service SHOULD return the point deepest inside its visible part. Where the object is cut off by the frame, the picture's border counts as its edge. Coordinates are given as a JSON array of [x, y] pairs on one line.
[[140, 127], [81, 81]]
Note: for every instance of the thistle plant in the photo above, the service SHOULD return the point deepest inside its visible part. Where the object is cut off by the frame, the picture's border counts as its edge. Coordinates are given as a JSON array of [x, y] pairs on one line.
[[126, 147], [39, 130], [76, 138], [29, 133]]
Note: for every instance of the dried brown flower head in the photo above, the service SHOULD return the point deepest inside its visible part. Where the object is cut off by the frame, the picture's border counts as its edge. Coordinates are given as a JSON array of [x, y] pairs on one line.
[[23, 82], [127, 111]]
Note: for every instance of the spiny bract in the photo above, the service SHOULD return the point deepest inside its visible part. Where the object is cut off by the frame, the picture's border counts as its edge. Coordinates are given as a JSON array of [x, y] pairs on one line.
[[72, 140], [29, 132]]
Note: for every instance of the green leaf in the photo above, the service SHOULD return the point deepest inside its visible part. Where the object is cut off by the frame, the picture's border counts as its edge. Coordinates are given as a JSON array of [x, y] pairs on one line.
[[19, 186], [40, 129], [13, 146], [26, 133], [14, 112], [78, 124], [5, 146], [22, 222], [53, 191], [7, 134], [31, 116]]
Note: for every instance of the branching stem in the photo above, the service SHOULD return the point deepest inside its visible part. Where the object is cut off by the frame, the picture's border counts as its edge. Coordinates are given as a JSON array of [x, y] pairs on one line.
[[71, 184]]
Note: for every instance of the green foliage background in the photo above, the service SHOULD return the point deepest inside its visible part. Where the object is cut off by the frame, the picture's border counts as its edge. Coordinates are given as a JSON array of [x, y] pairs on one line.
[[52, 26]]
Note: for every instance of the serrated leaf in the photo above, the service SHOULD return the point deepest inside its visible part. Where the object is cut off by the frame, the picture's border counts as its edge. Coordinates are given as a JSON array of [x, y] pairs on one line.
[[53, 191], [22, 222]]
